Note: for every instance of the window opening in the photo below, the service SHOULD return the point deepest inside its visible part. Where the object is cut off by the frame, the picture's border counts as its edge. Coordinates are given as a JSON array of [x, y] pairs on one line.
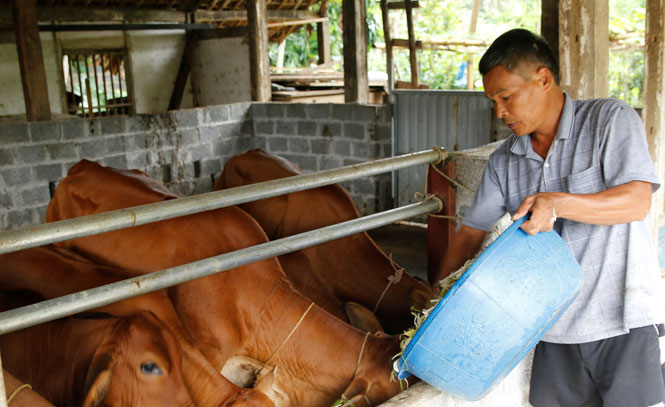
[[96, 82]]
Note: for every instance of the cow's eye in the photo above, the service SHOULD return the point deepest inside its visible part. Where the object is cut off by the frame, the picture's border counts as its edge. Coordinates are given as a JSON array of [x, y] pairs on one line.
[[151, 368]]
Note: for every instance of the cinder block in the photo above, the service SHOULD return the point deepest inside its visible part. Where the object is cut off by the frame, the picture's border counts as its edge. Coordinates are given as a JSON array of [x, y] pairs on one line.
[[341, 112], [285, 127], [139, 123], [6, 200], [200, 151], [240, 111], [217, 114], [17, 176], [14, 133], [92, 149], [212, 166], [113, 124], [361, 150], [343, 148], [74, 129], [230, 130], [331, 129], [186, 117], [383, 133], [318, 111], [321, 146], [21, 217], [116, 144], [48, 172], [354, 131], [264, 127], [36, 195], [115, 161], [307, 128], [44, 131], [365, 114], [208, 134], [277, 144], [187, 137], [298, 145], [328, 162], [275, 110], [7, 156], [296, 111], [258, 111], [137, 160], [308, 163]]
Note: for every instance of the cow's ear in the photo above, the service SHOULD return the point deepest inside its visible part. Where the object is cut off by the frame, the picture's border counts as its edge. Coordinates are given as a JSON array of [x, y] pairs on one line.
[[98, 379]]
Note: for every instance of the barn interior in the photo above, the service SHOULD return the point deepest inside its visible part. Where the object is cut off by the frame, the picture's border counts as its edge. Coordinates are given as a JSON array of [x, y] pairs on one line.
[[176, 88]]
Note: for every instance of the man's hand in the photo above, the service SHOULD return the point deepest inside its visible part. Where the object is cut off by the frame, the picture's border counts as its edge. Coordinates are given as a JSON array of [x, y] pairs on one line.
[[543, 213]]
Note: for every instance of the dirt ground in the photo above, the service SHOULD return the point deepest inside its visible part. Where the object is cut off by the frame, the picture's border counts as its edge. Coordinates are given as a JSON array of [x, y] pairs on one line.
[[408, 245]]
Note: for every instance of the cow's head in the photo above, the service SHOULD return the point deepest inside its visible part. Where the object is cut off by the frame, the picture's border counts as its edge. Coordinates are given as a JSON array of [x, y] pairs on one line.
[[139, 364]]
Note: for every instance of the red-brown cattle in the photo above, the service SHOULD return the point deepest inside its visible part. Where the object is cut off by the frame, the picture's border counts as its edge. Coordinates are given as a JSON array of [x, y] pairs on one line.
[[53, 272], [20, 395], [352, 268], [124, 361], [306, 356]]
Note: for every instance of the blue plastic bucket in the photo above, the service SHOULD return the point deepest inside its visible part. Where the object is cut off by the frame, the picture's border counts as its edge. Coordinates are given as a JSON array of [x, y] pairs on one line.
[[494, 314]]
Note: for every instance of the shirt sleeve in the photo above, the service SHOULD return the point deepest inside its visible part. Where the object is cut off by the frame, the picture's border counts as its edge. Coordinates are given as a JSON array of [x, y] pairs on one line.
[[488, 205], [624, 150]]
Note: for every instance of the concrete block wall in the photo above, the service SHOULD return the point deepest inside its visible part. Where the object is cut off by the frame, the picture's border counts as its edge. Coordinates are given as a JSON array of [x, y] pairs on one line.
[[187, 149], [323, 136]]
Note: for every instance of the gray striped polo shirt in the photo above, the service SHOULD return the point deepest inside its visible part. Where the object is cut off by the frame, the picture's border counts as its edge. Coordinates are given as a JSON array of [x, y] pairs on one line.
[[599, 144]]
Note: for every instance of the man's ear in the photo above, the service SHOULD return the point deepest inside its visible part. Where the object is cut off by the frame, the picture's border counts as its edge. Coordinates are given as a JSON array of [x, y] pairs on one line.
[[545, 78]]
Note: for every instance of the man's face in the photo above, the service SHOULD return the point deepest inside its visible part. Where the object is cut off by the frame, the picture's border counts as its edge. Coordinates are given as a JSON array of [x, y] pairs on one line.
[[517, 100]]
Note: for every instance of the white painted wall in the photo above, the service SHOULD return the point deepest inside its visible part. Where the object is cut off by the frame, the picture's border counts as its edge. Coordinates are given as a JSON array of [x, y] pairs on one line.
[[221, 72], [154, 61]]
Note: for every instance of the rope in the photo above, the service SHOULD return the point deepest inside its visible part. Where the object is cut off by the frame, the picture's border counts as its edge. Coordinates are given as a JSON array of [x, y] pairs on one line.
[[18, 389], [442, 154], [285, 339], [444, 175], [393, 279]]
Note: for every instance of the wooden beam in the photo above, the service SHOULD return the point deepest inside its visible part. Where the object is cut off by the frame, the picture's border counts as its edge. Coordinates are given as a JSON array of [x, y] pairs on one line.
[[31, 61], [584, 48], [653, 112], [98, 14], [297, 22], [323, 35], [385, 16], [258, 50], [183, 71], [221, 16], [189, 6], [356, 89], [549, 23], [400, 5], [413, 57]]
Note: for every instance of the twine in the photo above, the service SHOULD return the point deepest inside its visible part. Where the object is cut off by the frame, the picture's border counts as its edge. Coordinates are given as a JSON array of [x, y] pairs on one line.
[[18, 389]]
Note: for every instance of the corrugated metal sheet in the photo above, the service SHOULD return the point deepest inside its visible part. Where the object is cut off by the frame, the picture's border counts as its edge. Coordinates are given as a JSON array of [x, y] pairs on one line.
[[455, 120]]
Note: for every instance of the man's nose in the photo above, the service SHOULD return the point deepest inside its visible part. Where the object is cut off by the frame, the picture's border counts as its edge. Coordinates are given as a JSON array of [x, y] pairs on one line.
[[500, 110]]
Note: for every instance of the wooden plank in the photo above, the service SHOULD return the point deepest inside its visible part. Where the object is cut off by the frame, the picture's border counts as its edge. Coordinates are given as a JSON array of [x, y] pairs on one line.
[[440, 231], [297, 22], [584, 48], [31, 61], [385, 16], [413, 58], [653, 112], [98, 14], [355, 51], [241, 15], [323, 35], [400, 5], [258, 50], [549, 23], [183, 71]]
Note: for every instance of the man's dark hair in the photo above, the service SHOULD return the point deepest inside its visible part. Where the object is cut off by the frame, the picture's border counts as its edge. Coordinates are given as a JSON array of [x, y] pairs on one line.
[[513, 47]]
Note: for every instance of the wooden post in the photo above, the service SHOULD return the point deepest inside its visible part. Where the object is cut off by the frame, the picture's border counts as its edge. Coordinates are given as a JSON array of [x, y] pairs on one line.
[[654, 99], [472, 31], [584, 48], [549, 24], [385, 16], [323, 35], [183, 71], [258, 50], [356, 85], [31, 60], [413, 57], [440, 231]]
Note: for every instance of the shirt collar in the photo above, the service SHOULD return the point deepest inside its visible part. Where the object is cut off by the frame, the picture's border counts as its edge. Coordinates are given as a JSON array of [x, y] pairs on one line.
[[522, 144]]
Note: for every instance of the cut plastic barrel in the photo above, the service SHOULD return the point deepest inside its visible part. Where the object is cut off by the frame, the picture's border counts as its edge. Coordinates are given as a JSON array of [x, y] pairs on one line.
[[494, 314]]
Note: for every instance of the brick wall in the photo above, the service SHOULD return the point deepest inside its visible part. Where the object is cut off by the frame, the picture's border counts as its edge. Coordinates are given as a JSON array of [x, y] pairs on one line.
[[186, 149]]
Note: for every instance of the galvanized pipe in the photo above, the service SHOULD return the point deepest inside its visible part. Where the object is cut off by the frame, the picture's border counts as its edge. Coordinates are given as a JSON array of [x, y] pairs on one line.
[[38, 235], [49, 310]]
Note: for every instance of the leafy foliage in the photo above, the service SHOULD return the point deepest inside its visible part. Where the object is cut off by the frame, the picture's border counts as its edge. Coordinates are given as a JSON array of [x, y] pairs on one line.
[[450, 19]]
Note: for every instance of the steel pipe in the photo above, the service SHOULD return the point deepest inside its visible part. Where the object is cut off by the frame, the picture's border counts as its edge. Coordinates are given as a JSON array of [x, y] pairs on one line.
[[38, 235], [49, 310]]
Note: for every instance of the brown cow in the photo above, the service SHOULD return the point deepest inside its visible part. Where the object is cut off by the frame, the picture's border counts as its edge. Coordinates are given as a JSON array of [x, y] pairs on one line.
[[250, 312], [53, 272], [128, 361], [352, 268]]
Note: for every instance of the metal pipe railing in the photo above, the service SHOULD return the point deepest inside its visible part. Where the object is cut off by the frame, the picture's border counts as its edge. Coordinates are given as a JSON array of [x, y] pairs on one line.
[[46, 233], [49, 310]]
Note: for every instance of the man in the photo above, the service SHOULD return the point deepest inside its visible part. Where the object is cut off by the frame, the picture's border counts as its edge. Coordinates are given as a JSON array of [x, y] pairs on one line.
[[583, 169]]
